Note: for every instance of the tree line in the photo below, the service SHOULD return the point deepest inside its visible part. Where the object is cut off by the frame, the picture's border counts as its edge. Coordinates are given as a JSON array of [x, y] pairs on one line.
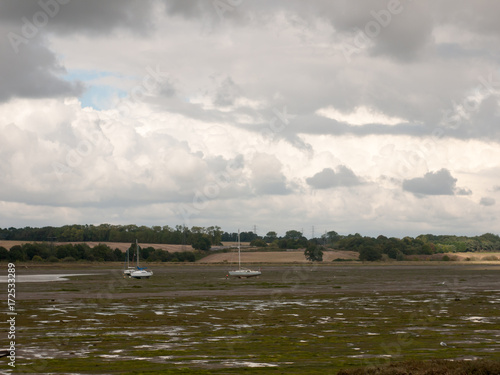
[[370, 248], [45, 252], [201, 238]]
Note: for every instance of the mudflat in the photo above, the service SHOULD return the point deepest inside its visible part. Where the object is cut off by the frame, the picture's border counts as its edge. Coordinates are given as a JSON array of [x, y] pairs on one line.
[[296, 318]]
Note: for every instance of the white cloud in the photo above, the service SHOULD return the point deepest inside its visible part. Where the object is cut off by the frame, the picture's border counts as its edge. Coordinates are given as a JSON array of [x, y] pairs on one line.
[[359, 116], [208, 128]]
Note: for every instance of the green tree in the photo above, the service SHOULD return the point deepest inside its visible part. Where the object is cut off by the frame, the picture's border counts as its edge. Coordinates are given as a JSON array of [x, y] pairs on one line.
[[313, 253], [258, 243], [369, 253], [16, 253], [201, 242], [293, 235], [271, 236], [331, 237], [4, 253]]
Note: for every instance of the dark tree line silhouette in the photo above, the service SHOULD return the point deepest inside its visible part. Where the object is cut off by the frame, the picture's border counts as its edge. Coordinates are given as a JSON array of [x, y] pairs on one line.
[[201, 238]]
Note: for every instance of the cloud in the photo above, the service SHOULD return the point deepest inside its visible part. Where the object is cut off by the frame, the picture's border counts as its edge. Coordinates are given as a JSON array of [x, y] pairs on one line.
[[266, 175], [360, 116], [33, 72], [226, 93], [218, 123], [435, 183], [328, 178], [90, 16], [487, 201]]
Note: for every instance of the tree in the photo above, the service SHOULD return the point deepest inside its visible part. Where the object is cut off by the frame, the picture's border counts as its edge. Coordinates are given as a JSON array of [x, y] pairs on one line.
[[331, 237], [201, 242], [4, 253], [258, 243], [313, 253], [293, 235], [369, 253], [271, 236], [17, 253]]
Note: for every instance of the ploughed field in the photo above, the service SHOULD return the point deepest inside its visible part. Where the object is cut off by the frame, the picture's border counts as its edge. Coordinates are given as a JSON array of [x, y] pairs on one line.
[[294, 319]]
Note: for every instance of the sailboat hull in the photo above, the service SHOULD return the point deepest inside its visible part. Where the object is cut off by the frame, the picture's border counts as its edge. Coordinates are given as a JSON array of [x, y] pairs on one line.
[[141, 274], [244, 273]]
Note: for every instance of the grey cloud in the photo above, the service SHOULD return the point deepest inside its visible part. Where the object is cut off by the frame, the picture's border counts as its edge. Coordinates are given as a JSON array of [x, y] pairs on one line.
[[226, 93], [167, 89], [434, 183], [89, 16], [189, 9], [399, 30], [34, 72], [407, 33], [463, 191], [328, 178], [482, 17], [486, 201]]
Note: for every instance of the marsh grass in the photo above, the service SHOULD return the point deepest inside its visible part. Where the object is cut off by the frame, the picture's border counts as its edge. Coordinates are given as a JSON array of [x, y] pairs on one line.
[[297, 320]]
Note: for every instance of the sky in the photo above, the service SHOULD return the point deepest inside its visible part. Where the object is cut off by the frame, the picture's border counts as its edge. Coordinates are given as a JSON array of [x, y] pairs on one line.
[[370, 117]]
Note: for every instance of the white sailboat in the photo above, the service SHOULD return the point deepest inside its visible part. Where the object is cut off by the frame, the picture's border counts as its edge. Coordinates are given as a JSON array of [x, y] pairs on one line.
[[242, 272], [128, 269], [138, 272]]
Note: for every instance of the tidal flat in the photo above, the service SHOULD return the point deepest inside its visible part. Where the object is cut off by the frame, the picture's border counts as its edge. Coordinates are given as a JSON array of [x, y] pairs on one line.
[[294, 319]]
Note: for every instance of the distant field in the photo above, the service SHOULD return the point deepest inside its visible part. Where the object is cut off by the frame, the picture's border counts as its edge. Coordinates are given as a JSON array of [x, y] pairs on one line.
[[123, 246], [274, 257], [476, 256]]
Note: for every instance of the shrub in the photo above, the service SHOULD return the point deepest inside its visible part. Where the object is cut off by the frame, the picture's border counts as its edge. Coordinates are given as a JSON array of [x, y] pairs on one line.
[[37, 258], [53, 259], [258, 243], [369, 253]]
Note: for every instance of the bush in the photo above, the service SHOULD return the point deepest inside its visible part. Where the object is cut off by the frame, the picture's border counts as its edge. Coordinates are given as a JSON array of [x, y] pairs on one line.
[[53, 259], [69, 259], [37, 258], [369, 253], [258, 243]]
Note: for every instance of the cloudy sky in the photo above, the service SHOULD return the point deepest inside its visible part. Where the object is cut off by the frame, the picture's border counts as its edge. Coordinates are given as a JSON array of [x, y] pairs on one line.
[[376, 117]]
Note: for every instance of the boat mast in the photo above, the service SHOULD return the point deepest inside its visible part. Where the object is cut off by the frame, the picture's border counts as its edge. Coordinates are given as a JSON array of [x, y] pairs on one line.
[[137, 249], [239, 251]]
